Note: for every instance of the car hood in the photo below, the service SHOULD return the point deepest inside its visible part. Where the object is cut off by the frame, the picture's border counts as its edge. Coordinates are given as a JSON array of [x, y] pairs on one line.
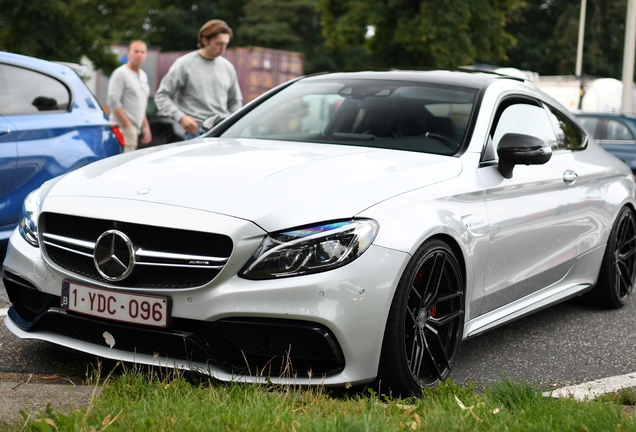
[[275, 184]]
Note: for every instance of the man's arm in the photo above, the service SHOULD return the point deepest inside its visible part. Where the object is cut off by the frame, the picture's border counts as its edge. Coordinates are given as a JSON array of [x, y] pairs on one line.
[[234, 96], [164, 99], [146, 135], [115, 92], [120, 114]]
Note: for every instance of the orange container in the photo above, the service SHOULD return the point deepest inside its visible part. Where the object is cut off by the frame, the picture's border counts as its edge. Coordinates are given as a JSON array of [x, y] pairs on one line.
[[258, 69]]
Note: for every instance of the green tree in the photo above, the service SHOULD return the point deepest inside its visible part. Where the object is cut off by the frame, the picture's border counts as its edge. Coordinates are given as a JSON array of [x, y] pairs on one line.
[[547, 35], [420, 33], [66, 30], [174, 24], [294, 25]]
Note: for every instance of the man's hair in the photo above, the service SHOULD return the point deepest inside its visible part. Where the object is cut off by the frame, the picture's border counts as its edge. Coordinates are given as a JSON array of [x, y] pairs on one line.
[[136, 41], [212, 28]]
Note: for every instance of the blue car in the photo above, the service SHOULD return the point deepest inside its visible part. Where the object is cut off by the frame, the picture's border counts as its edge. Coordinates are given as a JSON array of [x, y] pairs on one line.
[[50, 124], [615, 132]]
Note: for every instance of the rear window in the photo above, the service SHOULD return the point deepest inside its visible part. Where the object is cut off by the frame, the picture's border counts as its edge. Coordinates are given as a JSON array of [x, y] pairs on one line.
[[618, 131], [23, 91], [387, 114]]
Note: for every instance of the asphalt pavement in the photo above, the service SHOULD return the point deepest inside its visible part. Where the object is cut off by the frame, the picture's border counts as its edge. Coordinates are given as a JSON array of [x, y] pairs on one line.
[[563, 345]]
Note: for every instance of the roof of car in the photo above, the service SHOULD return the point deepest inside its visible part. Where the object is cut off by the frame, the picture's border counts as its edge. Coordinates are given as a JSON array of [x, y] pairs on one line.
[[33, 62], [476, 80], [606, 114]]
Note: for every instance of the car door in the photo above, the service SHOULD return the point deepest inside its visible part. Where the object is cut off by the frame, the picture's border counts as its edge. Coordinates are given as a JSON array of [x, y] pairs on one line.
[[536, 220], [617, 137], [8, 157]]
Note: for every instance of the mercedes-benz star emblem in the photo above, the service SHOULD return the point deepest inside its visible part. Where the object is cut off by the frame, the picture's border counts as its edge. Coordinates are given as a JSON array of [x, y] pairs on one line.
[[114, 256]]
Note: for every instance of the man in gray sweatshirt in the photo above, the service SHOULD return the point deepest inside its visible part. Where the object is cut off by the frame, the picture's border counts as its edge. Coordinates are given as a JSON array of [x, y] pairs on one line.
[[201, 84]]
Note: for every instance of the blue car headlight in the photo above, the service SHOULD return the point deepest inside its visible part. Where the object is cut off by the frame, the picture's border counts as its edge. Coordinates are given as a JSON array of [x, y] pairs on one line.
[[310, 249], [29, 219]]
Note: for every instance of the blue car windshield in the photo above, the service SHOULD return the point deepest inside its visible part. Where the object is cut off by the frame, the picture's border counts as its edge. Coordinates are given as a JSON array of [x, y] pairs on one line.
[[396, 115]]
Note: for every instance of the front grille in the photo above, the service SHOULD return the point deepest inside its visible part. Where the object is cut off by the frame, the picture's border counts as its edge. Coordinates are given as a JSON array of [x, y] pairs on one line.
[[68, 241], [164, 344], [28, 301], [150, 237], [148, 277], [277, 347], [257, 347]]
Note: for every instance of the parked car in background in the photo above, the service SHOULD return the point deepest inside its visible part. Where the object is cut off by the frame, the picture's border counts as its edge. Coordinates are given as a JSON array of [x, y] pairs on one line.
[[50, 124], [164, 129], [615, 132], [340, 229]]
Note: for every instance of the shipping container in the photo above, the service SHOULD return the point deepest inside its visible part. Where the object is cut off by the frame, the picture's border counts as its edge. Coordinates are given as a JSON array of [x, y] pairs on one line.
[[258, 69]]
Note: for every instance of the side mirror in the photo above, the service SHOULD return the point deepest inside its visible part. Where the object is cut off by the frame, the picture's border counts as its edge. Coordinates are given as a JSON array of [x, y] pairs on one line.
[[518, 149]]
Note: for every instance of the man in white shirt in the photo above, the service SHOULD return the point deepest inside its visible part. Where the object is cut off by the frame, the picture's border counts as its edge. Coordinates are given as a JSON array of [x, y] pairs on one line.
[[128, 92], [202, 83]]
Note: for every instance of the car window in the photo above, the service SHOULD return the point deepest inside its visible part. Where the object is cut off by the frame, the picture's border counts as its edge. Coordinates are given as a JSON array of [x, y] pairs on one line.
[[617, 130], [23, 91], [386, 114], [591, 125], [568, 134], [525, 119]]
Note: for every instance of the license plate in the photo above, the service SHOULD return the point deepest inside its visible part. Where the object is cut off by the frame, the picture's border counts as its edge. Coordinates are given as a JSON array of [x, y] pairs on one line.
[[115, 305]]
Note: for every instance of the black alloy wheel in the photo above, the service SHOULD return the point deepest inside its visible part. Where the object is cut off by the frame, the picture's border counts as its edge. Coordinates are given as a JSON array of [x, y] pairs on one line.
[[618, 269], [425, 325]]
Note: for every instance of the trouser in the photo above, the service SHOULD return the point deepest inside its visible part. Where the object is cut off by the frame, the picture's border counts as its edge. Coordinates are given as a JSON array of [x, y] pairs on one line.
[[200, 132], [131, 138]]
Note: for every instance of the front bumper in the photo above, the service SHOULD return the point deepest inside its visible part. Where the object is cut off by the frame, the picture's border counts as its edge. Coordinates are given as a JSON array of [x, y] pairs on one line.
[[325, 328]]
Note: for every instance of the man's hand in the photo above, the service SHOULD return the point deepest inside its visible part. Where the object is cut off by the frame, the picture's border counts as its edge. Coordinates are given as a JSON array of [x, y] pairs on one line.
[[146, 135], [189, 124], [120, 115]]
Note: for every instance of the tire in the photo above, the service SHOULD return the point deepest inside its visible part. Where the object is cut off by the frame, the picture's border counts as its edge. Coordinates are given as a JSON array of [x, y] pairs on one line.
[[618, 268], [425, 324]]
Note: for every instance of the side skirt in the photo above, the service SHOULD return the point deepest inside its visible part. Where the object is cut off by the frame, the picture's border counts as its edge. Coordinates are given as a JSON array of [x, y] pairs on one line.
[[525, 306]]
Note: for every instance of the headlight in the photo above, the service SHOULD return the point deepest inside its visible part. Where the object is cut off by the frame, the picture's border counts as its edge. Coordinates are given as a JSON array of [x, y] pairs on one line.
[[310, 249], [29, 218]]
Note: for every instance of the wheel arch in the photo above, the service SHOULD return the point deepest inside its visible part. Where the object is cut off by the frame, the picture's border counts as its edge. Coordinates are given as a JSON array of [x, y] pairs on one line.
[[457, 250]]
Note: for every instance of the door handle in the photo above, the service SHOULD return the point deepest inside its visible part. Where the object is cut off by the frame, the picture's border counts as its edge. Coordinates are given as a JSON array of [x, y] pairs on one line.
[[4, 130], [570, 176]]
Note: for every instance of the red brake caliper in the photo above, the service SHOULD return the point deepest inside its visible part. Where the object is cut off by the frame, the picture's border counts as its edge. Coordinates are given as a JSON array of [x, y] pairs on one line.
[[416, 282]]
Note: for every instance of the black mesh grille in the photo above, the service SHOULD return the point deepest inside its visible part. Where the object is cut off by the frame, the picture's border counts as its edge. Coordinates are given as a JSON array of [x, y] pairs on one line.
[[174, 345], [143, 236], [27, 300], [276, 347], [251, 346]]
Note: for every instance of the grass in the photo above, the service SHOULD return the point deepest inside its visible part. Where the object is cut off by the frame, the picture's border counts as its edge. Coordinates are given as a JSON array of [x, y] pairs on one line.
[[139, 400]]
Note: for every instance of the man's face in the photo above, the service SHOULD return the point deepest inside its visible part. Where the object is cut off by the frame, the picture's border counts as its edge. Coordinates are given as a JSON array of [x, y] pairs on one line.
[[214, 47], [136, 54]]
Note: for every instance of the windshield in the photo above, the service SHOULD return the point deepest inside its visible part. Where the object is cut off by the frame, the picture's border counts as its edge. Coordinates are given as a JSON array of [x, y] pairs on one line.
[[374, 113]]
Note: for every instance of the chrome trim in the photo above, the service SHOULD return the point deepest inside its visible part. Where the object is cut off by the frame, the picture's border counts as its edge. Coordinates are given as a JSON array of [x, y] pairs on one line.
[[166, 255], [139, 257], [72, 241], [103, 260], [177, 265], [90, 255]]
